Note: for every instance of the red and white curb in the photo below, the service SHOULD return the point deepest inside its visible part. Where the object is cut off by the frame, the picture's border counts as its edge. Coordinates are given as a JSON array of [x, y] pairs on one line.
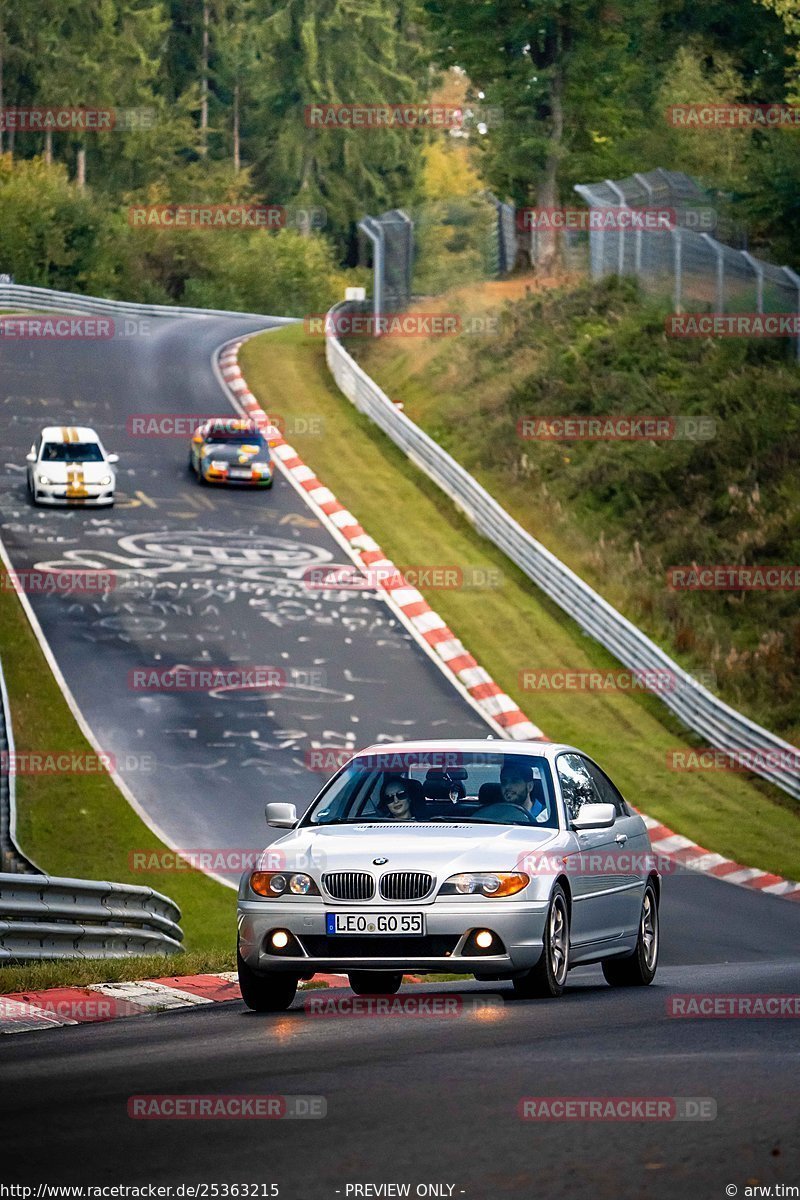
[[687, 854], [429, 628], [417, 615], [23, 1012]]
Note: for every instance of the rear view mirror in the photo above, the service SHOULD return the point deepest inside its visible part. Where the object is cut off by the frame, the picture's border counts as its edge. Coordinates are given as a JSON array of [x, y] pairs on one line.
[[30, 456], [595, 816], [281, 816], [112, 458]]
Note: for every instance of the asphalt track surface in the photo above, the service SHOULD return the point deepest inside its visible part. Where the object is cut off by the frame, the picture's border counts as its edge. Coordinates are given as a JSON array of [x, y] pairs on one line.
[[410, 1099], [420, 1099], [206, 577]]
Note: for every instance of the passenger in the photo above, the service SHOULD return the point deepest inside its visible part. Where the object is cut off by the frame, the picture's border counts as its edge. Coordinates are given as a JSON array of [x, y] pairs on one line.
[[395, 799]]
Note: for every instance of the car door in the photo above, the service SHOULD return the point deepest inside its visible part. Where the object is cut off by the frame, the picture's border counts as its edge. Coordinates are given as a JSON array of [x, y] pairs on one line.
[[598, 910], [631, 848]]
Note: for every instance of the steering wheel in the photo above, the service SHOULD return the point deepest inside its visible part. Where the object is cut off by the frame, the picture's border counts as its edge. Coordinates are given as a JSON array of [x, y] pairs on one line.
[[504, 804]]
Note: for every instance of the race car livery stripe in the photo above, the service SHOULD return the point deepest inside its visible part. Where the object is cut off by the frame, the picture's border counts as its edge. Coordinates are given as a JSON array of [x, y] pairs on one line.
[[75, 482], [499, 708]]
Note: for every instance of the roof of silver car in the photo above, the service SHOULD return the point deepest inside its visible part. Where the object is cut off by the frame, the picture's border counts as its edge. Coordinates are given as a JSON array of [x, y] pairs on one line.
[[468, 746]]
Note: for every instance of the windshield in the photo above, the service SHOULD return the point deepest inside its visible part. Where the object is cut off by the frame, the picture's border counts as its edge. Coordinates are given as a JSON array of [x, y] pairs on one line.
[[71, 452], [235, 437], [442, 787]]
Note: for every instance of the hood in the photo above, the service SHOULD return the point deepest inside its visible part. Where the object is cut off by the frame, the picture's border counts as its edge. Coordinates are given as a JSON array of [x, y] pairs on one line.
[[237, 456], [441, 850], [75, 473]]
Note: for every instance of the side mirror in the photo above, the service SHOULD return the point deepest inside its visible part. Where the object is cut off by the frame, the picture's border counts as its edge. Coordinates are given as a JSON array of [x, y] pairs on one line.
[[283, 816], [30, 456], [112, 458], [595, 816]]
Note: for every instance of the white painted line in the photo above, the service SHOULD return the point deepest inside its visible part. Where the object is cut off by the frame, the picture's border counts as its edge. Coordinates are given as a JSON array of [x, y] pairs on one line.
[[670, 844], [405, 595], [425, 622], [18, 1017], [474, 676], [322, 495], [745, 875], [148, 994], [500, 704]]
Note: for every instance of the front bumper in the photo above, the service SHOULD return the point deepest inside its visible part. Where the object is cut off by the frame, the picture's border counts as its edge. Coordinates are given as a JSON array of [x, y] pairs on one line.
[[216, 477], [445, 946], [95, 497]]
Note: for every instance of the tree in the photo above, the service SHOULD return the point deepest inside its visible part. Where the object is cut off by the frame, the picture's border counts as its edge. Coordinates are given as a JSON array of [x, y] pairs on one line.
[[789, 13], [321, 52]]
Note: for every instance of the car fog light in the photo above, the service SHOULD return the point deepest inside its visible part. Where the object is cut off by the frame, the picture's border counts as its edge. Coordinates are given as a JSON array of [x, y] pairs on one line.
[[484, 939], [279, 939]]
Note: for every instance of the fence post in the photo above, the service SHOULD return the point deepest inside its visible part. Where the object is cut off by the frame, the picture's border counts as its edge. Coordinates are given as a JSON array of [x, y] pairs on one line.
[[677, 263], [620, 232], [720, 253], [645, 184], [374, 232], [409, 264], [758, 268], [795, 278]]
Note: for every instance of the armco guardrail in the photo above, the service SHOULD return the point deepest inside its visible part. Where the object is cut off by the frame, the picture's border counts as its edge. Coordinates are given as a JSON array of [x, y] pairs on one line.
[[42, 916], [11, 857], [15, 295], [702, 712], [46, 917]]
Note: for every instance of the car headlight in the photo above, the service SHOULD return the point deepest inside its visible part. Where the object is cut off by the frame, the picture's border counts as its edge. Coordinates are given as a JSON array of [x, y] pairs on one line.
[[105, 481], [217, 464], [487, 883], [278, 883], [46, 480], [262, 468]]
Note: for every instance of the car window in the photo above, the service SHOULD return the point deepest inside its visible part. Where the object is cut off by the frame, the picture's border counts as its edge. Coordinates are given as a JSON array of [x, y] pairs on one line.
[[235, 437], [72, 452], [478, 788], [577, 786], [605, 789]]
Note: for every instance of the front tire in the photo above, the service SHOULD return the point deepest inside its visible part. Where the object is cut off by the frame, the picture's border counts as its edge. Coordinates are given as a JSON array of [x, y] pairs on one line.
[[546, 980], [638, 969], [375, 983], [265, 993]]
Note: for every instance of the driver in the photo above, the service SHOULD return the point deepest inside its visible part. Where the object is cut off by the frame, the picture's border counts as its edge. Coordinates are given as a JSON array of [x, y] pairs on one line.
[[516, 784]]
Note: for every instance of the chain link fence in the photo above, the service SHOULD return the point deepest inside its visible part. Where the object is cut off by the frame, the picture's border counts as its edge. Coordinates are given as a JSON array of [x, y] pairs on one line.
[[388, 241], [681, 258]]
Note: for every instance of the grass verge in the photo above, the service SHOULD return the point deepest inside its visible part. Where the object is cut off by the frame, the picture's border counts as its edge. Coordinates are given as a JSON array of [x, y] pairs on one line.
[[512, 627], [81, 825], [37, 977]]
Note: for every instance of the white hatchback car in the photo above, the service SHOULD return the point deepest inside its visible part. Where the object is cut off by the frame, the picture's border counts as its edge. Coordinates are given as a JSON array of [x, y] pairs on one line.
[[511, 861], [67, 464]]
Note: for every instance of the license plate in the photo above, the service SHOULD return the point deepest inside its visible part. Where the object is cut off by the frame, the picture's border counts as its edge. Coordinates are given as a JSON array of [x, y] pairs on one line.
[[241, 473], [409, 924]]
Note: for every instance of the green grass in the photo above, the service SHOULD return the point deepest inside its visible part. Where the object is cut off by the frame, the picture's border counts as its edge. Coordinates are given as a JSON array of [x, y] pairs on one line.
[[37, 977], [620, 514], [81, 825], [514, 627]]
